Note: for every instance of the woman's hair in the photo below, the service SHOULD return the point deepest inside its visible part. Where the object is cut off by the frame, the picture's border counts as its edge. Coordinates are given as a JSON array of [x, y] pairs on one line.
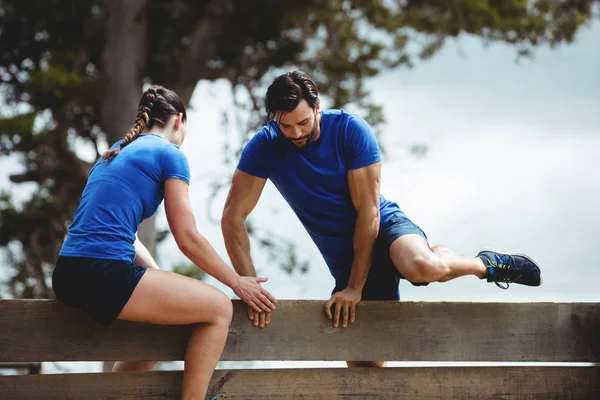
[[287, 90], [157, 105]]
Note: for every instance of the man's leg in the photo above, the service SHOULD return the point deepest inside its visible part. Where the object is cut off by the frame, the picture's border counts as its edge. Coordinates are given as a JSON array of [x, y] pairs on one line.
[[417, 262], [377, 364]]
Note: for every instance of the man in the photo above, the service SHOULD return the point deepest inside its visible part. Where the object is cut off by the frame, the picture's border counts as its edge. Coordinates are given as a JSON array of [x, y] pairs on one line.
[[327, 166]]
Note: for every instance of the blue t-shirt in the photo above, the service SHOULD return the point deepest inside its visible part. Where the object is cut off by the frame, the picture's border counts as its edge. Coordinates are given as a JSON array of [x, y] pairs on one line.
[[120, 194], [314, 179]]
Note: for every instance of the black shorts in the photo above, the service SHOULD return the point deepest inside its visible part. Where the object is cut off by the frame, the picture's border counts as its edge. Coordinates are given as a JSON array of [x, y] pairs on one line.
[[383, 279], [99, 287]]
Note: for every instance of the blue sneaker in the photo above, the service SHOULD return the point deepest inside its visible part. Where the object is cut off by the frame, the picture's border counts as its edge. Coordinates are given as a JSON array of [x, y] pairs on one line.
[[503, 269]]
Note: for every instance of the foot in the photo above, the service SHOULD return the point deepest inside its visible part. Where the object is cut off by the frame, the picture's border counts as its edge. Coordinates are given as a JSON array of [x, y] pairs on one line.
[[503, 269]]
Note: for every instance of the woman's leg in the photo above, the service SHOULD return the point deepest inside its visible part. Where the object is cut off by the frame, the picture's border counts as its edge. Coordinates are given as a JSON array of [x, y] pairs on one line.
[[167, 298]]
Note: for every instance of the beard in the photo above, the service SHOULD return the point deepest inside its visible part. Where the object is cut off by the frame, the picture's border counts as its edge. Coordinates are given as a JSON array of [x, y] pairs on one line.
[[311, 135]]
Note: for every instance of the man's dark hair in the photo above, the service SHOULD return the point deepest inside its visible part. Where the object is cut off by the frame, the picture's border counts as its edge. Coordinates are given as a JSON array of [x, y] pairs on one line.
[[288, 90]]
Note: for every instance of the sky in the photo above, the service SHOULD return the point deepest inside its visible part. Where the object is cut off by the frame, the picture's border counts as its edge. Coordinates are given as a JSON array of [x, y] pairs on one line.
[[511, 164]]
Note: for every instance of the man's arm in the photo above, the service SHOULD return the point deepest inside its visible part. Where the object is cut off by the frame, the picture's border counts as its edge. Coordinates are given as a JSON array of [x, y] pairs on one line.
[[364, 191], [242, 198]]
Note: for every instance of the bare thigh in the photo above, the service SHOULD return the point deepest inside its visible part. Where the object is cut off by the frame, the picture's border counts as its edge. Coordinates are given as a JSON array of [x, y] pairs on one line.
[[405, 250], [167, 298]]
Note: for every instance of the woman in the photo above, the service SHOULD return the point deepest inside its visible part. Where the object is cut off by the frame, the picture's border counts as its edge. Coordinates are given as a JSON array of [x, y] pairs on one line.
[[105, 270]]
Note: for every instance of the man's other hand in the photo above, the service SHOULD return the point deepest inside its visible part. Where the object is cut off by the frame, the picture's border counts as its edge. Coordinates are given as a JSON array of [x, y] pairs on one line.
[[345, 301]]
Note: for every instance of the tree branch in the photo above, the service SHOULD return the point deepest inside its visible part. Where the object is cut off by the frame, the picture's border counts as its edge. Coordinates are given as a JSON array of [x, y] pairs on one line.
[[29, 176]]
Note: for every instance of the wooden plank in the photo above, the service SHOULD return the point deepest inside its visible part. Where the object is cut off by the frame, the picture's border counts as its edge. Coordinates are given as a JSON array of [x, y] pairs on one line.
[[334, 383], [394, 331]]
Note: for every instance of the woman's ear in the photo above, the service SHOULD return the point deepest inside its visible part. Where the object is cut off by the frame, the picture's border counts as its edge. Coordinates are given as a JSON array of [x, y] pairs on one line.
[[177, 123]]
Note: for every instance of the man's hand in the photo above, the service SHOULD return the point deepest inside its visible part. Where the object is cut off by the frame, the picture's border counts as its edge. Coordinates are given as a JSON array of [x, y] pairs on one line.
[[259, 318], [345, 300], [249, 290]]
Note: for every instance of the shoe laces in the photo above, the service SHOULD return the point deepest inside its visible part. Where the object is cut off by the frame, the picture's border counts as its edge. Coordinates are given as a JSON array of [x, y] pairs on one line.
[[502, 272]]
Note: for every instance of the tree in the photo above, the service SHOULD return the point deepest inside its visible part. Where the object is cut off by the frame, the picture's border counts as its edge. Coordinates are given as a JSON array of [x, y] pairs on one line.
[[72, 73]]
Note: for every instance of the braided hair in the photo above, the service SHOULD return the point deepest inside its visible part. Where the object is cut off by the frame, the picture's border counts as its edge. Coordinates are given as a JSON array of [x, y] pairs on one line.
[[156, 106]]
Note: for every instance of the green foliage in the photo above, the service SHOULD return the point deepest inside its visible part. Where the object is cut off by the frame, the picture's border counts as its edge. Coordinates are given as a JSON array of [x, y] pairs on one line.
[[15, 133], [53, 77], [190, 270]]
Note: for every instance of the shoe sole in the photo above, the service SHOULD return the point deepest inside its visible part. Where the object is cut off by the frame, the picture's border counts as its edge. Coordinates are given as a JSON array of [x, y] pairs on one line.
[[520, 255]]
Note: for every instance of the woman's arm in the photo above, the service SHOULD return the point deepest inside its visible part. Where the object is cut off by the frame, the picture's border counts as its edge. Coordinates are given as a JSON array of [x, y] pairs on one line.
[[199, 251]]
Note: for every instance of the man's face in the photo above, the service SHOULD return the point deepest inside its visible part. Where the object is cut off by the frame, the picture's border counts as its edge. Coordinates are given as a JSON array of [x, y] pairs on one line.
[[301, 125]]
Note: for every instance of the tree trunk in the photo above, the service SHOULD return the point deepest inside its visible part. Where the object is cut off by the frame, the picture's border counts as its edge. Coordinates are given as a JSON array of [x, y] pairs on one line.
[[124, 62], [202, 48]]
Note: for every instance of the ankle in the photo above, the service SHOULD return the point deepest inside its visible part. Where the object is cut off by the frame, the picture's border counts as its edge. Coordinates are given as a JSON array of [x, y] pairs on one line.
[[482, 268]]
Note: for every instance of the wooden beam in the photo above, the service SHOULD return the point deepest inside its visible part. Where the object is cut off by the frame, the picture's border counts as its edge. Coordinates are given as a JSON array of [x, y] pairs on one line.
[[328, 384], [45, 330]]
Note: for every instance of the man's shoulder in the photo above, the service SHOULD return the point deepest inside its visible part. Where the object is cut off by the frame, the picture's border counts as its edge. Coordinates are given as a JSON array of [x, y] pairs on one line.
[[342, 118], [264, 140], [336, 115], [269, 132]]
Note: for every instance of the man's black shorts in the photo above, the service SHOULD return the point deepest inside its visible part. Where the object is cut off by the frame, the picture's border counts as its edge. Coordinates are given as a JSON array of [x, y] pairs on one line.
[[383, 279]]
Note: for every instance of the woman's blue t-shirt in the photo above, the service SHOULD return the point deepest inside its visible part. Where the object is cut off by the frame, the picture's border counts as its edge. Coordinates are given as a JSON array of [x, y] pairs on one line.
[[120, 194]]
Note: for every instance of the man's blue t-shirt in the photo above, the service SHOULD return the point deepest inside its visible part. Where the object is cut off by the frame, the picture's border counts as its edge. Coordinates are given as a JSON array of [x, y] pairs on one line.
[[314, 179], [120, 194]]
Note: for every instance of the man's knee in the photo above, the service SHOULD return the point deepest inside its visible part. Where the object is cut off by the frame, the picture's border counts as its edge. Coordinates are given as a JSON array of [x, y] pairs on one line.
[[425, 268]]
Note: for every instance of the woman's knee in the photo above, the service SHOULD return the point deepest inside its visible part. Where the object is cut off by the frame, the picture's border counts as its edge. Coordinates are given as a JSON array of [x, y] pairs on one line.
[[222, 309]]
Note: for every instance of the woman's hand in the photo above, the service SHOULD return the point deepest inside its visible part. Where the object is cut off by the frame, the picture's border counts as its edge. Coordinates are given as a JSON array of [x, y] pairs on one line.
[[249, 290]]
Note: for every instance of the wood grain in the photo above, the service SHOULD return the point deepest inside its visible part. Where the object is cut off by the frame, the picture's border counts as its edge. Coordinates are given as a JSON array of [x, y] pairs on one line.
[[532, 383], [46, 330]]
